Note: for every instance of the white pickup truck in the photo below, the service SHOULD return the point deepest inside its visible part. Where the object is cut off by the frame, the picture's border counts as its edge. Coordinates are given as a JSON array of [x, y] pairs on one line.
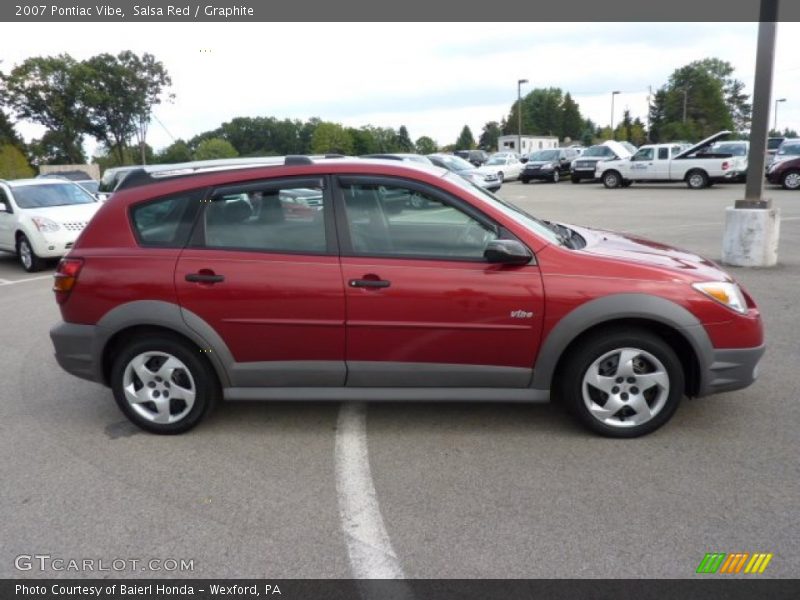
[[699, 166]]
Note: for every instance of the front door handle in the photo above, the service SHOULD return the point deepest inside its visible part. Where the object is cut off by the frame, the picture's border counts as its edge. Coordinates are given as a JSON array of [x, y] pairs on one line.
[[204, 277], [369, 283]]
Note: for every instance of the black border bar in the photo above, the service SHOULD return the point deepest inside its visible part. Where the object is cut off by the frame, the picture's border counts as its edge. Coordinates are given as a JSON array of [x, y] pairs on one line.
[[699, 588], [406, 10]]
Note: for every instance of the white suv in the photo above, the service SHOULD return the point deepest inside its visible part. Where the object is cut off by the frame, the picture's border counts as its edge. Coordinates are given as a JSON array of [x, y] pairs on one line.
[[41, 218]]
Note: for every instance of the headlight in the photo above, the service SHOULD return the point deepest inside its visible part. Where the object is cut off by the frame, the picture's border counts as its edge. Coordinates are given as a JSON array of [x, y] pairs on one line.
[[45, 225], [725, 293], [546, 167]]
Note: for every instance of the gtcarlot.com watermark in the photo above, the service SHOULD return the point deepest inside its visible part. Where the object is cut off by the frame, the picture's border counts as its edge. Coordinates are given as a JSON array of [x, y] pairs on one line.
[[49, 563]]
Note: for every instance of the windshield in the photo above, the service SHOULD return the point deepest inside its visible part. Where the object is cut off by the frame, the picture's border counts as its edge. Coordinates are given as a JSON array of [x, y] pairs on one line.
[[517, 214], [733, 149], [454, 163], [90, 186], [111, 178], [544, 155], [773, 143], [58, 194], [790, 150], [497, 160], [598, 151]]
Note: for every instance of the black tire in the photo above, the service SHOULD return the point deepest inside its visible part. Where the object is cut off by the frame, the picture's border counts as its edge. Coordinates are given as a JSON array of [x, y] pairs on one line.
[[556, 177], [627, 183], [500, 176], [791, 180], [524, 180], [27, 257], [570, 382], [205, 382], [611, 179], [575, 179], [697, 179]]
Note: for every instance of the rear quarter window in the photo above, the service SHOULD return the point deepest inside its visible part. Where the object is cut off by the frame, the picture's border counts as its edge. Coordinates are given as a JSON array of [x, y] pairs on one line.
[[166, 222]]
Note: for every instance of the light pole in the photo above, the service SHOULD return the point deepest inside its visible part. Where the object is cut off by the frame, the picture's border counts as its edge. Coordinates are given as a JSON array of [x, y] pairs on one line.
[[519, 114], [614, 93], [775, 125]]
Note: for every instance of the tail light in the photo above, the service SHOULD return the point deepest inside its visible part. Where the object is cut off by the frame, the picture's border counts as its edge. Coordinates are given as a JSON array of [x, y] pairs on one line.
[[726, 165], [65, 277]]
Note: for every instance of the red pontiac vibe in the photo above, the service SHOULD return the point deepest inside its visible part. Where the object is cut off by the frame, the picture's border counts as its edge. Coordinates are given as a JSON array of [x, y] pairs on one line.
[[346, 279]]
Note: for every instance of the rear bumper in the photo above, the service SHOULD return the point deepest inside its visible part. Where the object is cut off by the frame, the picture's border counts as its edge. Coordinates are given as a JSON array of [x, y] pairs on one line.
[[76, 350], [731, 369]]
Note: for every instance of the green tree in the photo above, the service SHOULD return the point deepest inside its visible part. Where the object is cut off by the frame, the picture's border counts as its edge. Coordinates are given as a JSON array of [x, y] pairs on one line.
[[425, 145], [131, 155], [363, 141], [403, 142], [489, 135], [691, 106], [50, 91], [120, 92], [176, 152], [465, 139], [215, 148], [572, 125], [13, 164], [736, 100], [331, 138], [542, 113]]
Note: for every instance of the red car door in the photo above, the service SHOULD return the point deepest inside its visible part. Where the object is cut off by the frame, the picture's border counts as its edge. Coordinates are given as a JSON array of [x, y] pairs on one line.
[[424, 308], [267, 280]]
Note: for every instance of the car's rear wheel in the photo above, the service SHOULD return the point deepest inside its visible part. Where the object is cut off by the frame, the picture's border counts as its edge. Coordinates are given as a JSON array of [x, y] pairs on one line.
[[622, 383], [575, 179], [697, 179], [163, 385], [27, 257], [791, 180], [524, 180]]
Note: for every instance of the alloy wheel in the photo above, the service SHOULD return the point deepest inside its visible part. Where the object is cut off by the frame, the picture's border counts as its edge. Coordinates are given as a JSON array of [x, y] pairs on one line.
[[159, 387], [625, 387]]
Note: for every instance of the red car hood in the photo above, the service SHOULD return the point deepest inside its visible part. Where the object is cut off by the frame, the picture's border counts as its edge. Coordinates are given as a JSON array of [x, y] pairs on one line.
[[638, 250]]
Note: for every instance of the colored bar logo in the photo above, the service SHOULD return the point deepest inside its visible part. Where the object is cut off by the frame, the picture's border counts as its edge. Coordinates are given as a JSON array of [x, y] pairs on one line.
[[737, 562]]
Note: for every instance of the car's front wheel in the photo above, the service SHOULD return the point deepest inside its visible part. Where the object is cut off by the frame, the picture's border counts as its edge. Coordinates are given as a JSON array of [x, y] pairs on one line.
[[622, 383], [611, 179], [791, 180], [556, 176], [162, 384], [28, 258]]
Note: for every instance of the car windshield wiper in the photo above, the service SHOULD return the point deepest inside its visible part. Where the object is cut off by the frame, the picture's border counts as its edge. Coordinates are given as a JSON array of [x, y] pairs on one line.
[[564, 234]]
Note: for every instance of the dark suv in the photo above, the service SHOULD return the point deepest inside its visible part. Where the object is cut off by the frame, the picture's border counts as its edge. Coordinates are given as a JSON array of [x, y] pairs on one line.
[[188, 288], [476, 157]]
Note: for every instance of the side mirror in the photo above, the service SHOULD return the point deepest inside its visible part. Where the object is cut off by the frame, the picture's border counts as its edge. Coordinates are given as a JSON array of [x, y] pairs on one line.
[[523, 160], [507, 252]]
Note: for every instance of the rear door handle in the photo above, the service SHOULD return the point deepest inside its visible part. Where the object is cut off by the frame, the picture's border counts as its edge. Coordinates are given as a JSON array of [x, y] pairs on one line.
[[204, 278], [369, 283]]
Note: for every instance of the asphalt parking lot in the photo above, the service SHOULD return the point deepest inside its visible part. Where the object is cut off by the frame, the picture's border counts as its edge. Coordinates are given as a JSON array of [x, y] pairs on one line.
[[461, 490]]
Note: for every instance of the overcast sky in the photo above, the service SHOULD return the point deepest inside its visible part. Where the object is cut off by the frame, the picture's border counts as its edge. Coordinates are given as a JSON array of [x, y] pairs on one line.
[[433, 78]]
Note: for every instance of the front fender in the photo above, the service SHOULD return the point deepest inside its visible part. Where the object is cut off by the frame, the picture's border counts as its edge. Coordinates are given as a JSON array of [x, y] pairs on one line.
[[617, 307]]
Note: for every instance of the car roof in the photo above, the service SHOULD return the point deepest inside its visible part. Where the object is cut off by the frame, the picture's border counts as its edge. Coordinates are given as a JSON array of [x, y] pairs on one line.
[[45, 181], [276, 166]]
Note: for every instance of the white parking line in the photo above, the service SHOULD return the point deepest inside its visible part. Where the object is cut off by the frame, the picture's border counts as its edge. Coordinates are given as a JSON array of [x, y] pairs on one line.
[[13, 281], [368, 546]]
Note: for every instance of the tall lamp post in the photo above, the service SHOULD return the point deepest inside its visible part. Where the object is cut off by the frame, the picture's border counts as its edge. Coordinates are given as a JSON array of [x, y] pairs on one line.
[[614, 93], [775, 124], [519, 114]]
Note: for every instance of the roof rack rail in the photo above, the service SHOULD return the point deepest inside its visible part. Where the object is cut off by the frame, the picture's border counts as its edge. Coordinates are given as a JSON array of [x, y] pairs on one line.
[[298, 159], [152, 173]]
